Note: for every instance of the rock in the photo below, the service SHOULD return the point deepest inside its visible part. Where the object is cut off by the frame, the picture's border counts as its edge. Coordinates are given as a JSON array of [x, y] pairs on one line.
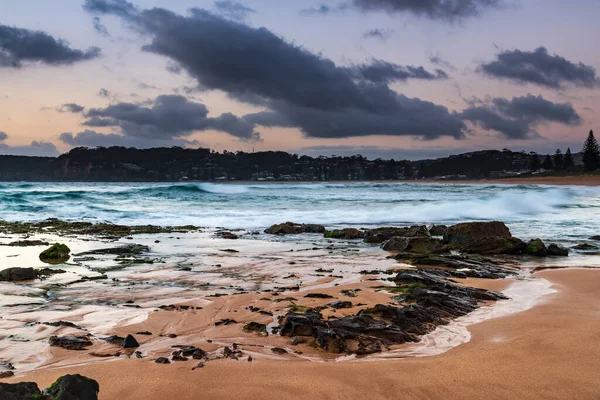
[[585, 246], [114, 339], [58, 253], [17, 274], [20, 391], [146, 333], [225, 321], [462, 266], [192, 351], [556, 250], [128, 249], [28, 243], [495, 245], [597, 237], [290, 228], [70, 342], [227, 235], [45, 272], [395, 243], [340, 304], [255, 327], [470, 232], [130, 342], [73, 387], [438, 230], [6, 374], [535, 247], [380, 235], [162, 360], [63, 323], [346, 233], [318, 296], [279, 350]]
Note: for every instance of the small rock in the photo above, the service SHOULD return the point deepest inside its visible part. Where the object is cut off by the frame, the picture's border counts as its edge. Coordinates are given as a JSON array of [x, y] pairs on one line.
[[130, 342], [279, 350], [162, 360]]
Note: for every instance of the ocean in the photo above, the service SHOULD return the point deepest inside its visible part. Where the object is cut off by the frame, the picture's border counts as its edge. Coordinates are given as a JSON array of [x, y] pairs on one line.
[[563, 214]]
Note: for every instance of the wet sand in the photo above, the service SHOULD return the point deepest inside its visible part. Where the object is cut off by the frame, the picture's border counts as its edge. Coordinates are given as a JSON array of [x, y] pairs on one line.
[[550, 351]]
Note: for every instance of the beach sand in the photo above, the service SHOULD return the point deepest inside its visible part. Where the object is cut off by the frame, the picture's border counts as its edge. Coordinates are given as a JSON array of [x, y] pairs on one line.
[[548, 352]]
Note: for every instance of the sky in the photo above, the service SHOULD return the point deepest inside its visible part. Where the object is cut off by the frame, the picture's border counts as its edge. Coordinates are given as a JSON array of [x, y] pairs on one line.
[[402, 79]]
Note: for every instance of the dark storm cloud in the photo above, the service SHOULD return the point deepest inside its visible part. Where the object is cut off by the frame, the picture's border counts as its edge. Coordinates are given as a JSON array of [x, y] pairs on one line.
[[380, 71], [434, 9], [538, 67], [518, 118], [3, 136], [89, 138], [121, 8], [71, 108], [233, 10], [36, 148], [256, 65], [381, 34], [169, 117], [325, 9], [22, 46]]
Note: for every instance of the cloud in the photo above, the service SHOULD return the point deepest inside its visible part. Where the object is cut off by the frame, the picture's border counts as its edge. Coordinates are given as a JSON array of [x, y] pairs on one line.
[[540, 68], [70, 107], [23, 46], [232, 10], [36, 148], [325, 9], [380, 71], [258, 66], [3, 136], [448, 10], [518, 118], [122, 8], [100, 28], [104, 93], [170, 116], [436, 59], [89, 138], [381, 34]]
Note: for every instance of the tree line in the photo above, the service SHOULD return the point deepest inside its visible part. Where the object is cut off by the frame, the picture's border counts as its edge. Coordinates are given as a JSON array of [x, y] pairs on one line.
[[565, 162]]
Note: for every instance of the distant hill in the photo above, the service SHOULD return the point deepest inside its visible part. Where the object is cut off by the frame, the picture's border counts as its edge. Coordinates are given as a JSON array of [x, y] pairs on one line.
[[177, 164]]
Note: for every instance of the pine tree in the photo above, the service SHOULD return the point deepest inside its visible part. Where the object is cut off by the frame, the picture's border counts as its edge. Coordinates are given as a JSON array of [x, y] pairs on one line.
[[568, 161], [547, 163], [534, 163], [591, 153], [559, 162]]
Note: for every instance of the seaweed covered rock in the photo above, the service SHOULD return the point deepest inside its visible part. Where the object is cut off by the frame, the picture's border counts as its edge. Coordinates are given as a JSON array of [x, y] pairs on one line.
[[556, 250], [462, 266], [73, 387], [346, 233], [56, 254], [417, 244], [70, 342], [495, 245], [255, 327], [290, 228], [380, 235], [468, 233], [17, 274], [132, 249], [537, 248], [20, 391]]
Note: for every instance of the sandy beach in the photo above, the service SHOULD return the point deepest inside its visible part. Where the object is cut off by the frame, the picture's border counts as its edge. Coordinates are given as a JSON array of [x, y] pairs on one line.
[[547, 352]]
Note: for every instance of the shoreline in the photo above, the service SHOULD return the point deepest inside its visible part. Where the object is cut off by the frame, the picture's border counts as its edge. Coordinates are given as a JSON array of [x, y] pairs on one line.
[[545, 362]]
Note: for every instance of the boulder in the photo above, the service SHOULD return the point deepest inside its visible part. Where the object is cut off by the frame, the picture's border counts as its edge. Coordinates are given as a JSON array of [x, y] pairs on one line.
[[495, 245], [130, 342], [556, 250], [28, 243], [395, 243], [17, 274], [290, 228], [228, 235], [419, 244], [596, 237], [346, 233], [535, 247], [20, 391], [73, 387], [56, 254], [467, 233], [585, 246], [255, 327], [438, 230]]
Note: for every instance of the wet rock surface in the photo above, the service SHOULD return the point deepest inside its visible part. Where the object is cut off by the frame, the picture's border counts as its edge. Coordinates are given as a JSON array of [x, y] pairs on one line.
[[429, 301], [56, 254], [347, 233], [17, 274], [469, 232], [70, 342], [290, 228], [380, 235], [67, 387], [128, 249]]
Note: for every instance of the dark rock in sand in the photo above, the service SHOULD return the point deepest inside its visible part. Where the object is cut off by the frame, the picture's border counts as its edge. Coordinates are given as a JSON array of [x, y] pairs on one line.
[[5, 374], [597, 237], [340, 304], [471, 266], [470, 232], [438, 230], [72, 387], [130, 342], [495, 245], [114, 339], [347, 233], [255, 327], [585, 246], [70, 342], [17, 274], [380, 235], [535, 247], [45, 272], [146, 333], [162, 360], [225, 321], [417, 244], [396, 243], [279, 350], [58, 253], [290, 228], [62, 323], [128, 249], [227, 235], [20, 391], [28, 243], [556, 250], [318, 296]]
